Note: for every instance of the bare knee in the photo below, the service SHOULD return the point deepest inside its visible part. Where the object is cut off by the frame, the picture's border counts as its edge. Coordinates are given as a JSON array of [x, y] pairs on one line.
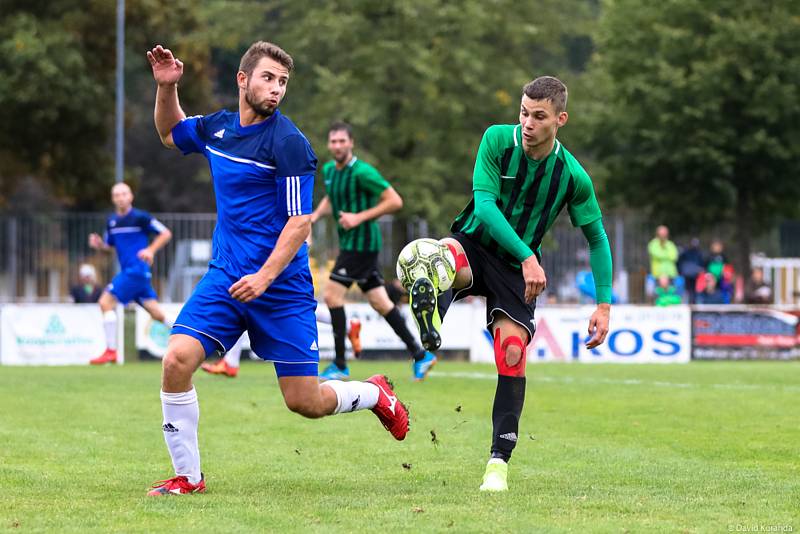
[[513, 355], [333, 296], [379, 300], [107, 301], [509, 353], [177, 369]]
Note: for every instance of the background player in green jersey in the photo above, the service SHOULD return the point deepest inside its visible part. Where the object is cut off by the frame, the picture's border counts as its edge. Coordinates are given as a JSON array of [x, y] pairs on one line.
[[356, 195], [523, 178]]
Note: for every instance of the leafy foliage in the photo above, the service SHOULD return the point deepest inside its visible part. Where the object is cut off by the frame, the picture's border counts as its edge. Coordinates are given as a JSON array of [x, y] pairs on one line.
[[696, 116], [420, 80]]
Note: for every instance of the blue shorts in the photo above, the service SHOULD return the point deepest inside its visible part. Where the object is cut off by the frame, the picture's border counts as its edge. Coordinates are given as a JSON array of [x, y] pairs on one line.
[[128, 287], [281, 322]]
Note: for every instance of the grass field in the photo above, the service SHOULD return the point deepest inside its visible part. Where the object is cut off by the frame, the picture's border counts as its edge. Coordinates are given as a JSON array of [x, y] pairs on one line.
[[706, 447]]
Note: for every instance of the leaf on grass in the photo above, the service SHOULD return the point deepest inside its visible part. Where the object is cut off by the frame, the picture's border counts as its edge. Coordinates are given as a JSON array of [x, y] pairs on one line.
[[297, 451], [458, 408], [418, 509], [407, 466], [434, 439]]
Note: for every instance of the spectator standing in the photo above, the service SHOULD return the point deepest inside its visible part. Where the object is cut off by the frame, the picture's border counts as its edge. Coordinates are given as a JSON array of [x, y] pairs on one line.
[[691, 264], [86, 290], [663, 254]]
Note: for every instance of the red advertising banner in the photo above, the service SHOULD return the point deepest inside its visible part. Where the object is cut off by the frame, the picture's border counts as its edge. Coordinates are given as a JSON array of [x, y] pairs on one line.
[[742, 332]]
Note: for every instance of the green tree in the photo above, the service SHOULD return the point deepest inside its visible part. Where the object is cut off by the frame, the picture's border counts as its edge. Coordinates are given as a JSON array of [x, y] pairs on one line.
[[57, 89], [697, 115], [420, 80]]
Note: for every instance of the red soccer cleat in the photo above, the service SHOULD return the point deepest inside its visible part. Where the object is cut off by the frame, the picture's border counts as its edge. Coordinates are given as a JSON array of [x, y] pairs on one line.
[[109, 356], [354, 335], [220, 367], [176, 486], [392, 413]]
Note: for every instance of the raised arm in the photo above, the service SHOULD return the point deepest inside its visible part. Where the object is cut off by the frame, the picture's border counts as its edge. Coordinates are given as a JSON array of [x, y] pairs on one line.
[[167, 70]]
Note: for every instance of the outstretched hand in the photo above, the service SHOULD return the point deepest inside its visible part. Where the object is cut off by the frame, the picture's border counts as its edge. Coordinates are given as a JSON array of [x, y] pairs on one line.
[[167, 69]]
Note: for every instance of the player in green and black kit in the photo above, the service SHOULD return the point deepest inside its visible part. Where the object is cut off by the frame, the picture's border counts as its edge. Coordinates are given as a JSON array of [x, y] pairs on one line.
[[523, 178], [357, 195]]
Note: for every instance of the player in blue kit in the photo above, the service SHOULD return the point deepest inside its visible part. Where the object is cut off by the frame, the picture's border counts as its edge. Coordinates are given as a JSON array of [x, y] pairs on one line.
[[128, 230], [258, 278]]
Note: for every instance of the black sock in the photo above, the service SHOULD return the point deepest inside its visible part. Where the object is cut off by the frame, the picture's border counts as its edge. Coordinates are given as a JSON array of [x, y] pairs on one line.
[[398, 324], [339, 324], [443, 302], [508, 401]]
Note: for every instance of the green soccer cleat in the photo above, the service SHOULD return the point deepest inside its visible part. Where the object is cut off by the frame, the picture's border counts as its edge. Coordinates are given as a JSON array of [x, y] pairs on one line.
[[496, 476], [422, 299]]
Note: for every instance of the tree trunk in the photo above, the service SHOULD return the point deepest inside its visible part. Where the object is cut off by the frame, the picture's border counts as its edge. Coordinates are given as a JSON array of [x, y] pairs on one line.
[[744, 230]]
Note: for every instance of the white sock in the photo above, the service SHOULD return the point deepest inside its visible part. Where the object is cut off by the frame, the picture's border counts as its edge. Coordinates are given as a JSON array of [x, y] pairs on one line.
[[233, 356], [110, 326], [495, 461], [322, 317], [181, 415], [353, 396]]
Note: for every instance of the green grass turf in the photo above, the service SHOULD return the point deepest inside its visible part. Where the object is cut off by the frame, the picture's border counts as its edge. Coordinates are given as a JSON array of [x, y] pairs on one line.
[[705, 447]]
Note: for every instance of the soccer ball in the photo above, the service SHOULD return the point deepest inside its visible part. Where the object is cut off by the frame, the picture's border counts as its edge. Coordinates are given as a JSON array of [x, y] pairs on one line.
[[426, 258]]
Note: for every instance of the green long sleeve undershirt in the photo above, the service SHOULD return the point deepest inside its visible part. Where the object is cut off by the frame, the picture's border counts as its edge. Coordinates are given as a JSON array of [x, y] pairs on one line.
[[500, 229], [599, 259]]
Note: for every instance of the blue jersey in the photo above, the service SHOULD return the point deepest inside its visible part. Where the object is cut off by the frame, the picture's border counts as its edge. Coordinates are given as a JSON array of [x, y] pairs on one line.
[[129, 234], [263, 174]]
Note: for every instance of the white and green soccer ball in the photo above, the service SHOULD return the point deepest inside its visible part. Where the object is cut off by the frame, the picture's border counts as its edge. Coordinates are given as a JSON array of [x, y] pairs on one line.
[[426, 258]]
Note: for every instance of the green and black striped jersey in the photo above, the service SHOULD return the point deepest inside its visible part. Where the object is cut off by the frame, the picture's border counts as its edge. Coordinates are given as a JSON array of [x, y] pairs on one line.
[[530, 193], [352, 189]]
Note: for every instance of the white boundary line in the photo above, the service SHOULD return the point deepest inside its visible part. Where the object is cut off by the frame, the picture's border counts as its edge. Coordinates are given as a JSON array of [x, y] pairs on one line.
[[619, 382]]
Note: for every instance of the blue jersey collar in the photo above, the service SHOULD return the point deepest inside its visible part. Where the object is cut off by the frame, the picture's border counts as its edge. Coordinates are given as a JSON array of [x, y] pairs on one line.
[[257, 127]]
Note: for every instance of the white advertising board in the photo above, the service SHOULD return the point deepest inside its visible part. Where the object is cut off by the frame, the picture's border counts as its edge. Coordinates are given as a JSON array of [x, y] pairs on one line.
[[376, 334], [54, 334], [638, 334]]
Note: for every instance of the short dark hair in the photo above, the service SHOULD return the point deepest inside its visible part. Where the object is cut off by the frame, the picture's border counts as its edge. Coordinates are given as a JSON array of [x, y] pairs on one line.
[[341, 126], [261, 49], [548, 88]]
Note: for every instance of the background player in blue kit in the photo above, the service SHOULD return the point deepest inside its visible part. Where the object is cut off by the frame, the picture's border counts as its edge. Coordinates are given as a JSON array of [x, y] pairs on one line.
[[128, 230], [258, 278]]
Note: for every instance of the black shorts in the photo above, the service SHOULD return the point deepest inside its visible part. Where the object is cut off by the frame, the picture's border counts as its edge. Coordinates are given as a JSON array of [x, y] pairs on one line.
[[501, 284], [358, 267]]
